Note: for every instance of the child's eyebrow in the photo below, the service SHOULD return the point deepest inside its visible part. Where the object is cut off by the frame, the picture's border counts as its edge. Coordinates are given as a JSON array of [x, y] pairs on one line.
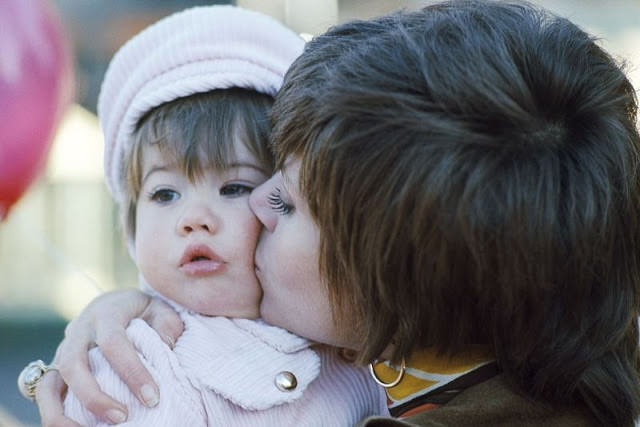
[[157, 168], [248, 165]]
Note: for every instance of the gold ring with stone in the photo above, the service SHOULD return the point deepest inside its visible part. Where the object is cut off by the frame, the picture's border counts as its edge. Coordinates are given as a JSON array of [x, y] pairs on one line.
[[30, 376]]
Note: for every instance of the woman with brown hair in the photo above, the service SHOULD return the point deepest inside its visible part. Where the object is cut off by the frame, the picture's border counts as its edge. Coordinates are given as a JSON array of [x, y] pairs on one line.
[[457, 194]]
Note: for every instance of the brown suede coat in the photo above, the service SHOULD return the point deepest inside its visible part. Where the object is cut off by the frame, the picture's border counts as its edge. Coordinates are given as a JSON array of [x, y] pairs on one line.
[[490, 403]]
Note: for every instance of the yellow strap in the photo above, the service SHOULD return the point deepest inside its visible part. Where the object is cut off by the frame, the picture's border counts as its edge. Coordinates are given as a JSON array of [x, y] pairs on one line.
[[426, 371]]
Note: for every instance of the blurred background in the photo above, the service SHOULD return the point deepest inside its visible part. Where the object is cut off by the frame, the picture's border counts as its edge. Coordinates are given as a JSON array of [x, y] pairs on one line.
[[61, 244]]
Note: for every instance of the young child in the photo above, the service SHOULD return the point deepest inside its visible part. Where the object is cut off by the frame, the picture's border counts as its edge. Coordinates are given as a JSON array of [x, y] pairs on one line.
[[184, 108]]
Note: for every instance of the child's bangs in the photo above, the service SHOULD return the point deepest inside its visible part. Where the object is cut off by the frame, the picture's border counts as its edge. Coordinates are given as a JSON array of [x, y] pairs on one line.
[[192, 148], [198, 132]]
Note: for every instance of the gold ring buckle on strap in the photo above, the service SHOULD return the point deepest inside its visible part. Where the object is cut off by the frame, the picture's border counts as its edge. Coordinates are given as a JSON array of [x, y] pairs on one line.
[[395, 382]]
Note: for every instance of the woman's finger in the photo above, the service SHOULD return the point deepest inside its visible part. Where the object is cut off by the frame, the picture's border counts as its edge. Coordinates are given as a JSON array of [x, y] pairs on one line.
[[104, 318], [103, 323], [49, 396], [164, 320], [123, 358], [74, 369]]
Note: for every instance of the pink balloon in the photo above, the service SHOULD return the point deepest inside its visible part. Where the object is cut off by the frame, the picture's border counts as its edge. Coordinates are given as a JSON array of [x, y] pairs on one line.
[[35, 87]]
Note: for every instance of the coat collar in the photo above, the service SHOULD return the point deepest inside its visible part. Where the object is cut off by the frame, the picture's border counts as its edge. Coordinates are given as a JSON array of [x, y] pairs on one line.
[[243, 360]]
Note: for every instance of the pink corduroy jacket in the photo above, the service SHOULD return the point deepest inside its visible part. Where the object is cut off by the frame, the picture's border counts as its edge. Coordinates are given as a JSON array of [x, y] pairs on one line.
[[223, 372]]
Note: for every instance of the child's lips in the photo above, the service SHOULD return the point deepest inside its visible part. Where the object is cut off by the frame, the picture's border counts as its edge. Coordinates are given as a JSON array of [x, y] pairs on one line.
[[200, 260], [202, 268]]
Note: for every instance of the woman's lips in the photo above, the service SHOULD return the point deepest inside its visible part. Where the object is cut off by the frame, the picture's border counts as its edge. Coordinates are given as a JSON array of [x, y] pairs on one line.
[[200, 260]]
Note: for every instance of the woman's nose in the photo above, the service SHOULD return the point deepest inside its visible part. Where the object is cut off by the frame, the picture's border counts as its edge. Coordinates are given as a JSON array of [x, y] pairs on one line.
[[197, 217], [259, 203]]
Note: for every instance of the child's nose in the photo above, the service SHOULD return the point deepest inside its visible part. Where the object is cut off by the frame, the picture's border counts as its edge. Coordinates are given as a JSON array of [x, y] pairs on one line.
[[197, 218]]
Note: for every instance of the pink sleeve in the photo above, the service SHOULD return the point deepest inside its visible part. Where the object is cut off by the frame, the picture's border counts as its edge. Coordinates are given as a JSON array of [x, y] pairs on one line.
[[180, 403]]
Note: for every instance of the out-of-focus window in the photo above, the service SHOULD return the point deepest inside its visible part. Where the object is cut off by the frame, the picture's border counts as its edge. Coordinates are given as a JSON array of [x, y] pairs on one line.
[[61, 244]]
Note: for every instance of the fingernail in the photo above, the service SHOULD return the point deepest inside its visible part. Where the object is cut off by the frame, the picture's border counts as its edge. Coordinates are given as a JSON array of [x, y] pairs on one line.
[[116, 416], [149, 395], [169, 341]]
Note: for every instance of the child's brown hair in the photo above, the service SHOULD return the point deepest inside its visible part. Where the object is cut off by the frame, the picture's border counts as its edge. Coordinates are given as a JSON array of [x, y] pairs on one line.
[[198, 131]]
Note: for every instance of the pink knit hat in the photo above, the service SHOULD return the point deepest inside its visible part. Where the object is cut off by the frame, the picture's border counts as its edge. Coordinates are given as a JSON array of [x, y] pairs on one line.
[[196, 50]]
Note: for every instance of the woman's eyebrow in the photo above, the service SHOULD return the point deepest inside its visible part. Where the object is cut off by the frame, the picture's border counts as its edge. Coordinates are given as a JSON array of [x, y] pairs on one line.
[[287, 182]]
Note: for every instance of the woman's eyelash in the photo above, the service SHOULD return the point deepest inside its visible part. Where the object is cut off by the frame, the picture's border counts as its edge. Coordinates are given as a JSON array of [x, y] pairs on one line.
[[277, 204]]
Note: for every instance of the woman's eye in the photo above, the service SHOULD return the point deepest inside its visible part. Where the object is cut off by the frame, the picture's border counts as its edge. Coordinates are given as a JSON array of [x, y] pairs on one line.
[[235, 190], [279, 205], [164, 195]]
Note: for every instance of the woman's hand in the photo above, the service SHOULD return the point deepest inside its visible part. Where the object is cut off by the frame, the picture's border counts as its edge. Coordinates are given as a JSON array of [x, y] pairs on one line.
[[103, 323]]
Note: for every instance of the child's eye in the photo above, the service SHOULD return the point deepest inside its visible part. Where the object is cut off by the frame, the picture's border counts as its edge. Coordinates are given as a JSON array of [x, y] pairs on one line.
[[164, 195], [235, 190], [279, 205]]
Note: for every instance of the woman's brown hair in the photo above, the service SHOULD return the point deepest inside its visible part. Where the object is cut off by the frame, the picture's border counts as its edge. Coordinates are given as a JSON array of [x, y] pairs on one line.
[[473, 171]]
